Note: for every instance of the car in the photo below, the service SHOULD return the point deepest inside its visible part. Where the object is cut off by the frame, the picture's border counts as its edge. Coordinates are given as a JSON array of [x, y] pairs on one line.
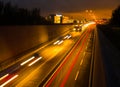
[[77, 28]]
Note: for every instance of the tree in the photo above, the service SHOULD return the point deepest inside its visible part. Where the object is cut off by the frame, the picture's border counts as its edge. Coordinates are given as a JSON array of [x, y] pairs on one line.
[[1, 7], [12, 15], [115, 19]]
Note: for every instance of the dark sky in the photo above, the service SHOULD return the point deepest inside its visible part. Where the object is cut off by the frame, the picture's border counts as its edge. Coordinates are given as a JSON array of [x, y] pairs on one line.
[[66, 6]]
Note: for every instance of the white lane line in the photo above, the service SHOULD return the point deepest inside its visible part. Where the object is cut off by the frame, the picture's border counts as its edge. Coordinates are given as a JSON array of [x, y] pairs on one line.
[[76, 75], [81, 62]]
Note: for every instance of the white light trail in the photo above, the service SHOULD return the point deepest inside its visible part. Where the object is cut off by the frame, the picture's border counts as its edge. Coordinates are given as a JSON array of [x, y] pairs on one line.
[[3, 77], [90, 23], [81, 62], [56, 42], [60, 42], [9, 81], [35, 61], [27, 61], [77, 75]]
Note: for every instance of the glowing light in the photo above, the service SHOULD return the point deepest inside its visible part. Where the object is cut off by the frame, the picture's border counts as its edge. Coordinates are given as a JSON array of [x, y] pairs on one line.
[[9, 81], [77, 75], [60, 42], [58, 15], [4, 76], [88, 24], [74, 29], [56, 42], [35, 61], [67, 36], [27, 61]]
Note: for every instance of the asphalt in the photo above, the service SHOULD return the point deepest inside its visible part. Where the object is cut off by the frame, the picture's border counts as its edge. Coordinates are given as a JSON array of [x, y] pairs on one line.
[[107, 73]]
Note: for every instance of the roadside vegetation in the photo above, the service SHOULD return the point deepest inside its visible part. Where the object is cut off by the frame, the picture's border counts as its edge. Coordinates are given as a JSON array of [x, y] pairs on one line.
[[112, 29], [13, 15]]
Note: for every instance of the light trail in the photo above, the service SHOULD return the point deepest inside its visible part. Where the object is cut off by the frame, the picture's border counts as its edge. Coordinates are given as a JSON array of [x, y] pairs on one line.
[[81, 62], [88, 24], [77, 75], [62, 64], [35, 61], [9, 81], [4, 77], [27, 61], [74, 62]]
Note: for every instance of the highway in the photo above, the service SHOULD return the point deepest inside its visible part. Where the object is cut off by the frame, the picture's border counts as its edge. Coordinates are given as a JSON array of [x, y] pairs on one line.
[[75, 69], [63, 63]]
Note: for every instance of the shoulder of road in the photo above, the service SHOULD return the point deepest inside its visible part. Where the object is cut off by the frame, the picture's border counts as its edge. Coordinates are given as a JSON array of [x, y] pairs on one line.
[[110, 50]]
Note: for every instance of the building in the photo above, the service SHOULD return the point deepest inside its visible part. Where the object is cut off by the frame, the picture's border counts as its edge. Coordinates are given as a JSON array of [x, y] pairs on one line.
[[59, 19]]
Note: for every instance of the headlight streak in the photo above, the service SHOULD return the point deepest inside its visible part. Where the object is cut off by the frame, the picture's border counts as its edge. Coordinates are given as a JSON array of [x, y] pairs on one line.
[[9, 81], [60, 42], [67, 37], [27, 61], [90, 23], [15, 76], [76, 75], [34, 61], [4, 77], [56, 42]]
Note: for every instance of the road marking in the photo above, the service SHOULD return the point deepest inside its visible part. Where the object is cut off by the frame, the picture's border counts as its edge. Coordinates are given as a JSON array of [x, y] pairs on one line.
[[76, 75], [81, 62]]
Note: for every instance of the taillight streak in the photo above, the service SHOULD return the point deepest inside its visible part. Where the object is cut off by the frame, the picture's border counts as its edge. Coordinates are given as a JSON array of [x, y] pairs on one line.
[[55, 74], [73, 64]]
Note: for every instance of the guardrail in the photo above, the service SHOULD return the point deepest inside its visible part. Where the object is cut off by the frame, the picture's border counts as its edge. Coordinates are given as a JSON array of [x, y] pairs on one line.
[[92, 61]]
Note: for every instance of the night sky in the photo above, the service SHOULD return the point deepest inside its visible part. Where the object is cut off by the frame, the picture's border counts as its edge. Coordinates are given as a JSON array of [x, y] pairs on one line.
[[103, 7]]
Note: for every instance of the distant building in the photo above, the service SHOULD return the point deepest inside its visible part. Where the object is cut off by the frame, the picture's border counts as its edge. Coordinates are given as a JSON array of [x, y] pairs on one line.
[[59, 19], [54, 18], [65, 19]]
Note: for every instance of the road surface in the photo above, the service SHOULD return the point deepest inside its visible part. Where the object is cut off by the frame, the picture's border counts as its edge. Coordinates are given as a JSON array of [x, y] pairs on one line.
[[66, 64]]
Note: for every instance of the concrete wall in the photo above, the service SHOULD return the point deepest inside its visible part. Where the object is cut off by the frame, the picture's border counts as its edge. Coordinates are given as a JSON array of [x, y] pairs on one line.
[[17, 39]]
